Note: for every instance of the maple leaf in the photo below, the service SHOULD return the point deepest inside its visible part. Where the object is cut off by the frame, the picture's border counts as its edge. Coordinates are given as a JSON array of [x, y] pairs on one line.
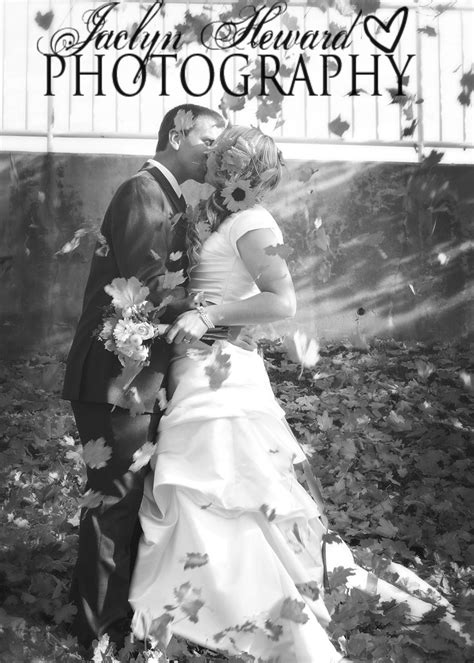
[[44, 20], [397, 98], [467, 80], [464, 98], [366, 6], [279, 250], [189, 601], [170, 280], [269, 107], [293, 610], [194, 560], [192, 26], [275, 631], [385, 528], [96, 453], [175, 256], [332, 537], [183, 121], [409, 130], [427, 30], [72, 245], [290, 22], [397, 421], [338, 576], [325, 422], [159, 628], [310, 589], [338, 126], [142, 456], [153, 69], [231, 102], [126, 293], [424, 368], [218, 368], [432, 159]]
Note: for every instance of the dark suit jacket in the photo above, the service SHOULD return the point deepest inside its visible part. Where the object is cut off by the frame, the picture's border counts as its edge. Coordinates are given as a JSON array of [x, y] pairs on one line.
[[137, 227]]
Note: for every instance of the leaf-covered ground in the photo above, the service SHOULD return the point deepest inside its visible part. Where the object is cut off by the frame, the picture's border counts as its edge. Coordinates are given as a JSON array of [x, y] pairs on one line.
[[389, 433]]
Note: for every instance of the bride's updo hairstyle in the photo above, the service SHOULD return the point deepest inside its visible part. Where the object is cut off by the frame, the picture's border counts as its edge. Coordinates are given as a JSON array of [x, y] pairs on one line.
[[242, 166]]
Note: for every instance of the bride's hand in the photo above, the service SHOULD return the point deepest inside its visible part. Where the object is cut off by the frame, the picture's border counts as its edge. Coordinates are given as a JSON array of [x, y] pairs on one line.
[[188, 327]]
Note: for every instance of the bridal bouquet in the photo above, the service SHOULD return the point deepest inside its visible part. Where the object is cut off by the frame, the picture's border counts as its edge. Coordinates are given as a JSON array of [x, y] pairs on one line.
[[131, 322]]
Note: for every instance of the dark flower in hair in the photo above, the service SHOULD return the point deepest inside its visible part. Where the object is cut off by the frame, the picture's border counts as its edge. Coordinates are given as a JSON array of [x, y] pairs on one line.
[[238, 195]]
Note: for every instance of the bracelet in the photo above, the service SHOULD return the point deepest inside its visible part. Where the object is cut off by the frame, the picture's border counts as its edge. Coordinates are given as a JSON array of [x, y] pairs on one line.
[[204, 317]]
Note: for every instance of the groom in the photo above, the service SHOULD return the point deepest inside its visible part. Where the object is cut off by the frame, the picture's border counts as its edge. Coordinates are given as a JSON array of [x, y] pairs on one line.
[[140, 237]]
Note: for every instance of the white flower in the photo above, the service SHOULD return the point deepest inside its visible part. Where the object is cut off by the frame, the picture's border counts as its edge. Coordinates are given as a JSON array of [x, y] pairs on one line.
[[145, 330], [123, 330], [134, 351], [107, 330]]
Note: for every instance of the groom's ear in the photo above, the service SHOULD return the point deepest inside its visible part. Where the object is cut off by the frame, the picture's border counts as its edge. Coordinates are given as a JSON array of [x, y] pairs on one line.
[[174, 139]]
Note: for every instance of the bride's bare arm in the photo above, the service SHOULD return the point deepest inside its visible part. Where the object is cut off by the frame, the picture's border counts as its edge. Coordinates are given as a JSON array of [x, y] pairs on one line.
[[275, 301]]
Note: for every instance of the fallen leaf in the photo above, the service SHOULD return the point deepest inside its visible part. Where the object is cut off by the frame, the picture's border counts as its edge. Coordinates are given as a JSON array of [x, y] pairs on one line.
[[293, 610], [279, 250], [427, 30], [142, 456], [44, 20], [194, 560], [338, 126], [96, 453]]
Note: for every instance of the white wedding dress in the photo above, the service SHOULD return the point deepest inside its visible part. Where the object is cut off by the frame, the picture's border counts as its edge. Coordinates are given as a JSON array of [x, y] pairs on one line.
[[231, 556]]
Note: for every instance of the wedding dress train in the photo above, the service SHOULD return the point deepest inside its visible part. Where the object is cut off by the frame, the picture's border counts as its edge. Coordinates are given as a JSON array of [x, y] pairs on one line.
[[231, 553]]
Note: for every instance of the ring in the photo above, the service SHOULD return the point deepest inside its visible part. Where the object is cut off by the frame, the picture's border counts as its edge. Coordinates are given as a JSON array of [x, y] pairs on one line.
[[186, 340]]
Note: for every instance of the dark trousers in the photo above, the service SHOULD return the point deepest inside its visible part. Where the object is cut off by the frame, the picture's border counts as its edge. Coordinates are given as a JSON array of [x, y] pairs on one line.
[[109, 533]]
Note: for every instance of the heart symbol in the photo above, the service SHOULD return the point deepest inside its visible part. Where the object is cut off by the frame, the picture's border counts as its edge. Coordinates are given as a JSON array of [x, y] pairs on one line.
[[404, 13]]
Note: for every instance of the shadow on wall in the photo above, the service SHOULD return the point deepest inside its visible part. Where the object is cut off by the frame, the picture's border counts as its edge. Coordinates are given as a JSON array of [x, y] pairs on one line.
[[378, 249]]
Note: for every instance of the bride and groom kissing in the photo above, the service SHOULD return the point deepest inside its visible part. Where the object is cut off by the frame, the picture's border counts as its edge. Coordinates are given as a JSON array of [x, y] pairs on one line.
[[215, 540]]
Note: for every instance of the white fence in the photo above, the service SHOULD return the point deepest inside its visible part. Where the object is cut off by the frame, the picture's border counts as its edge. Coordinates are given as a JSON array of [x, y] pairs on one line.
[[441, 36]]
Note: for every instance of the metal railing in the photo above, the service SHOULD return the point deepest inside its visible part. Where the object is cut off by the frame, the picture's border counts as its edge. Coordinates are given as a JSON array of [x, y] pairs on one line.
[[443, 44]]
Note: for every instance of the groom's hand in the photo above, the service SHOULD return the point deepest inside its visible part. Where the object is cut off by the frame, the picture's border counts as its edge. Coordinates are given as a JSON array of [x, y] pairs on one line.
[[176, 307], [242, 337]]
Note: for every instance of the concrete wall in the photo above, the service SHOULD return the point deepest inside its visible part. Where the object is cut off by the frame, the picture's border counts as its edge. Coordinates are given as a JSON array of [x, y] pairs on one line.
[[378, 249]]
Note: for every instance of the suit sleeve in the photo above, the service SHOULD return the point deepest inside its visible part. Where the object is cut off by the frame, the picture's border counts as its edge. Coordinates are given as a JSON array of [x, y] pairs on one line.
[[138, 228]]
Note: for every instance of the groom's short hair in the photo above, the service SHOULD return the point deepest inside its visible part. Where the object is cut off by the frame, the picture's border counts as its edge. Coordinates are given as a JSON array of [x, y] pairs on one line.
[[168, 121]]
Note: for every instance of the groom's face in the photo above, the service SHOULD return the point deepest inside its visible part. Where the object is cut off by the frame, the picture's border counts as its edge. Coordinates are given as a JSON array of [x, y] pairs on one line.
[[195, 145]]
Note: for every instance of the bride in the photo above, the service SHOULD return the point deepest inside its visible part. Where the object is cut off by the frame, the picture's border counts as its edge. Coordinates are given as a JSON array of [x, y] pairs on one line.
[[231, 552]]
